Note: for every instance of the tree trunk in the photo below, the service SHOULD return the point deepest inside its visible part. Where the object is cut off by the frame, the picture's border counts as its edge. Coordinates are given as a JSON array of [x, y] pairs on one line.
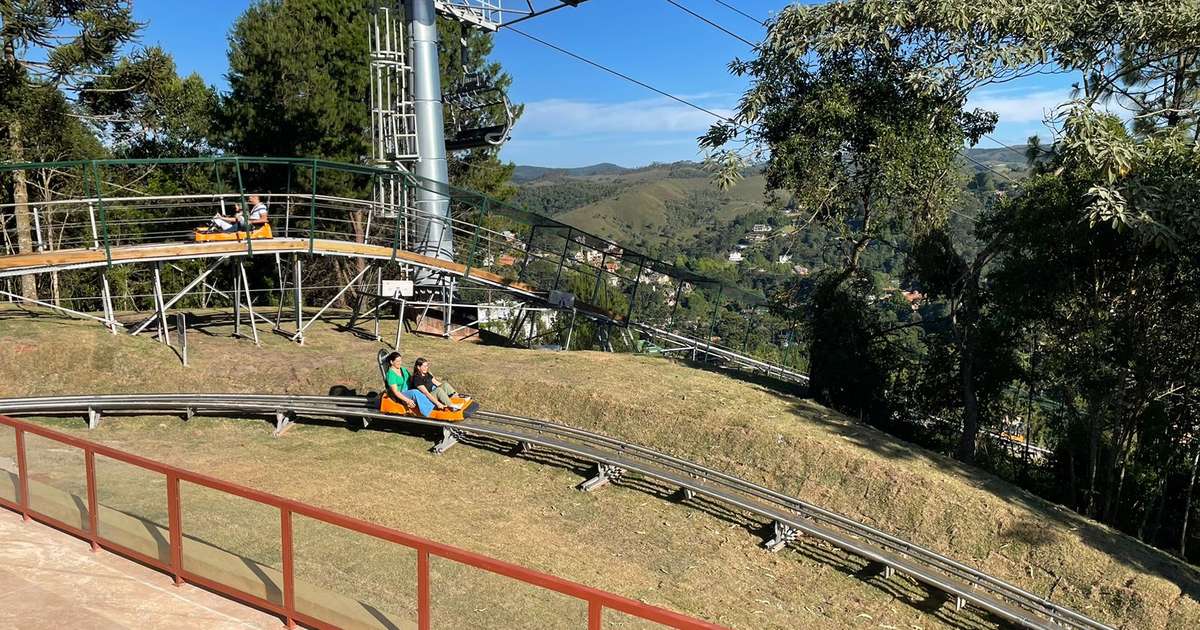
[[970, 430], [21, 207], [1187, 506]]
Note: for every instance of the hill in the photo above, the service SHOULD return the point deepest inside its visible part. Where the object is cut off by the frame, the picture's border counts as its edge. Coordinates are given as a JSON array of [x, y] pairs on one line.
[[693, 560], [660, 209]]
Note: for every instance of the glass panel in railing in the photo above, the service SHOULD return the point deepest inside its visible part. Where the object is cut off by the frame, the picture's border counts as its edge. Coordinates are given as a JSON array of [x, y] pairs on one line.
[[467, 598], [10, 481], [353, 580], [57, 480], [133, 508], [232, 541]]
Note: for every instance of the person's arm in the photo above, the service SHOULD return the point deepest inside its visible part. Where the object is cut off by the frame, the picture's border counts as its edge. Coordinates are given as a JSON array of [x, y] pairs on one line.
[[262, 221], [433, 379], [401, 397]]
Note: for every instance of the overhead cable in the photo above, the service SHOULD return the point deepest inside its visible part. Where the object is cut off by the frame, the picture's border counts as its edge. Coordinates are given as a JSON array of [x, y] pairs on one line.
[[625, 76], [740, 12], [713, 24]]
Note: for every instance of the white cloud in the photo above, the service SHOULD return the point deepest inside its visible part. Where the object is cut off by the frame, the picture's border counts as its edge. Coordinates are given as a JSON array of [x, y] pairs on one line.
[[571, 118], [1032, 107]]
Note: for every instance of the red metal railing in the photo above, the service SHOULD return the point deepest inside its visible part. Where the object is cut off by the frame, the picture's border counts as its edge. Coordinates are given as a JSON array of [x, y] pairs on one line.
[[597, 600]]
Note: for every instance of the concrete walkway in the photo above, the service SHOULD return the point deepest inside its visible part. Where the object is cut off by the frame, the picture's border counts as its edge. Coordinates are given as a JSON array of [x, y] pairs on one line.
[[52, 580]]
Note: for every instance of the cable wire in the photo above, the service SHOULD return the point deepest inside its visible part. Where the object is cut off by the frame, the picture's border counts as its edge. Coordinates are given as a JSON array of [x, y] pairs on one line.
[[713, 24], [742, 13], [625, 76]]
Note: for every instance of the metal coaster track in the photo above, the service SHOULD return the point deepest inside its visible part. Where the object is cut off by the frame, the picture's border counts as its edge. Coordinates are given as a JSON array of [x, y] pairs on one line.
[[613, 458]]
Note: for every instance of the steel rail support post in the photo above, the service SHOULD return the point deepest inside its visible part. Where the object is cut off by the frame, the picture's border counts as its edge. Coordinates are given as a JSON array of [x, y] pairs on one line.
[[106, 298], [282, 291], [562, 260], [312, 210], [164, 333], [399, 323], [237, 304], [571, 329], [191, 285], [249, 300], [335, 298], [237, 167], [181, 324], [298, 295]]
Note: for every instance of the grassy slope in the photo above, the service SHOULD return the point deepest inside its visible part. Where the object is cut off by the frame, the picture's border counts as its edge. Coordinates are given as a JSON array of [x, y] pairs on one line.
[[617, 539], [642, 204]]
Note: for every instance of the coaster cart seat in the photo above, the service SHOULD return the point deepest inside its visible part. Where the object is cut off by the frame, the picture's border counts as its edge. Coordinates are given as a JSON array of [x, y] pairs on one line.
[[390, 405], [205, 235]]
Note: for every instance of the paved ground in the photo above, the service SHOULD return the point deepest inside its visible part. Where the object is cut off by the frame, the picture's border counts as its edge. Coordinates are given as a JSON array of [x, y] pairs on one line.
[[49, 579]]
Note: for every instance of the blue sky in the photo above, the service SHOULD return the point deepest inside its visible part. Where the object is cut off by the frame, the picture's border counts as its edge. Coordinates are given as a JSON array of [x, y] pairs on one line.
[[577, 115]]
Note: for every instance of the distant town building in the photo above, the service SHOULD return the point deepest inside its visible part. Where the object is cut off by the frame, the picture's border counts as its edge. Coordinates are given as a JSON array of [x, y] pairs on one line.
[[509, 235], [785, 259], [735, 256], [801, 270], [761, 228], [756, 237], [506, 260]]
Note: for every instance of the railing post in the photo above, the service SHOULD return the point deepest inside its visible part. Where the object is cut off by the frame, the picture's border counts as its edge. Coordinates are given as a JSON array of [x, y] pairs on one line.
[[289, 578], [89, 461], [471, 254], [422, 589], [237, 168], [599, 278], [175, 527], [103, 213], [312, 208], [528, 249], [563, 259], [22, 474], [287, 208], [595, 614], [637, 282]]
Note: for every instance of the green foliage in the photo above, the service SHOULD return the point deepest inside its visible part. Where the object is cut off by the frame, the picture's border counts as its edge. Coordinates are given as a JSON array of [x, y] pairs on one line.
[[298, 81]]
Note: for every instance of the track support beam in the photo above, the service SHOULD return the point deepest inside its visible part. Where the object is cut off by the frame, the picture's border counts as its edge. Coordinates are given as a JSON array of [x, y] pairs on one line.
[[284, 420], [450, 437], [605, 474], [783, 534], [93, 417]]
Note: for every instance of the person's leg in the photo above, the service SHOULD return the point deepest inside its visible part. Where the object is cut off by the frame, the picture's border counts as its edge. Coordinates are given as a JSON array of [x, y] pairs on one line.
[[225, 226], [442, 395], [424, 405]]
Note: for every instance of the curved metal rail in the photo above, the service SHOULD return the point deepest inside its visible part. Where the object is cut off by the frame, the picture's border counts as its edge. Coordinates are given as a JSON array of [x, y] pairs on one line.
[[613, 457]]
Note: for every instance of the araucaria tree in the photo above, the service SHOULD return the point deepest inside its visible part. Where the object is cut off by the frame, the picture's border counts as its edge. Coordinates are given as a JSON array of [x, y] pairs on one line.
[[47, 46]]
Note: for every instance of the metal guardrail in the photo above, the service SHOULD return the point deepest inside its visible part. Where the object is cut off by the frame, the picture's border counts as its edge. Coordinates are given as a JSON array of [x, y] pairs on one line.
[[597, 601], [791, 517]]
